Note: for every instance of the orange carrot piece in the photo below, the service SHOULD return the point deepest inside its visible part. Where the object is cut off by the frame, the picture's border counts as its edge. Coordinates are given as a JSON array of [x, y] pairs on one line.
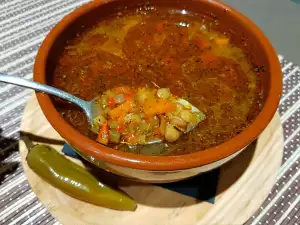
[[121, 110], [121, 128], [158, 106], [222, 41], [103, 134], [127, 96], [111, 103]]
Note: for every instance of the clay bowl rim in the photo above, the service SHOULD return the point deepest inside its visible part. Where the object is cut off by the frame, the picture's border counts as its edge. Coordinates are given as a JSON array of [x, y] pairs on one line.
[[159, 163]]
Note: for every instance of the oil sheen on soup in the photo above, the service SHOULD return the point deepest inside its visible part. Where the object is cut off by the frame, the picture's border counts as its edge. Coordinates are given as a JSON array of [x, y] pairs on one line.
[[171, 49]]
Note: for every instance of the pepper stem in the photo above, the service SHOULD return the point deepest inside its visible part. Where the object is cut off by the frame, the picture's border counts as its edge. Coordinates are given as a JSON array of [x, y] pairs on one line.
[[29, 144]]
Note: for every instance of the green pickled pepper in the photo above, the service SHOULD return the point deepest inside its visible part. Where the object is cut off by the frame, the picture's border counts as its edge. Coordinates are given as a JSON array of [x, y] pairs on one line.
[[74, 180]]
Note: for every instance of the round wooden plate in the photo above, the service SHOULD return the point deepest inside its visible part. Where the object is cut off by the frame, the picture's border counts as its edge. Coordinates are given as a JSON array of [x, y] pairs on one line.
[[243, 185]]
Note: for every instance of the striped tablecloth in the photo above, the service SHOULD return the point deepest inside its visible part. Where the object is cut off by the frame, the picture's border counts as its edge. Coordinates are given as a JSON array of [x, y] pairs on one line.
[[23, 26]]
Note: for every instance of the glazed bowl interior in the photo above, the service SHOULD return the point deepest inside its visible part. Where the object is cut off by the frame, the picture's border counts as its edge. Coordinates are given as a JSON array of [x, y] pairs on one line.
[[241, 31]]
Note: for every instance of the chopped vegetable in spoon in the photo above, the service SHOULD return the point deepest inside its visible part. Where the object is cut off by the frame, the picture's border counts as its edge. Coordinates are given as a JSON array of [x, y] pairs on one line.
[[141, 116]]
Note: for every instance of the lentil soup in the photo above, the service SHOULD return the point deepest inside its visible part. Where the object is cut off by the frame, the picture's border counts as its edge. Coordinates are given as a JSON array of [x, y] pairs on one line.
[[162, 48]]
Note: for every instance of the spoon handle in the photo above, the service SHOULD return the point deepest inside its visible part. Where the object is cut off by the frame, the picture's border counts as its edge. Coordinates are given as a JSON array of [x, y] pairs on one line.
[[43, 88]]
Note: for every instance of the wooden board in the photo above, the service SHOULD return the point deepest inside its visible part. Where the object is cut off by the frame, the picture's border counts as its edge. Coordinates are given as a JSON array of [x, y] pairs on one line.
[[243, 185]]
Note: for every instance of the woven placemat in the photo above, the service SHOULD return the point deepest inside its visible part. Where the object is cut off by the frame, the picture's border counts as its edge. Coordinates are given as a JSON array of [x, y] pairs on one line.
[[23, 25]]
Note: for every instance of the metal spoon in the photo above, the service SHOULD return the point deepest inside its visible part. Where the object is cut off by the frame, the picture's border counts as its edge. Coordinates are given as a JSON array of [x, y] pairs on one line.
[[90, 108]]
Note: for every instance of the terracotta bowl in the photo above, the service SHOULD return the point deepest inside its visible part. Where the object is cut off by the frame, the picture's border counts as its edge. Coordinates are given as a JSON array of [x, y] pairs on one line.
[[161, 169]]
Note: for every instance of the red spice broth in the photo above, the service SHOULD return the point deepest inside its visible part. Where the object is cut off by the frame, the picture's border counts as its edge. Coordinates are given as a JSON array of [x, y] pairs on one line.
[[183, 52]]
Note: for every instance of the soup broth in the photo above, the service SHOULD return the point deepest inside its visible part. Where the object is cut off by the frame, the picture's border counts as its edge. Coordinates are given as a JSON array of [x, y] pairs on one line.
[[163, 48]]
